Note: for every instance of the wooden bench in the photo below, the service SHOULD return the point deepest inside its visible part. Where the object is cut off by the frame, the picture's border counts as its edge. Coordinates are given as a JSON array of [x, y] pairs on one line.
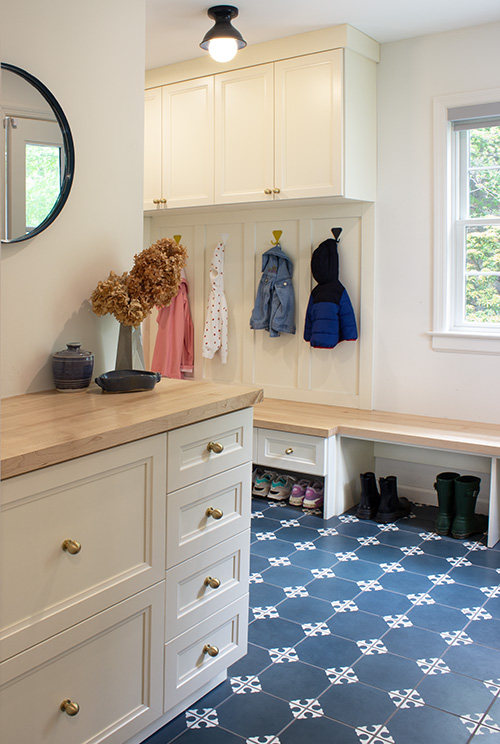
[[340, 443]]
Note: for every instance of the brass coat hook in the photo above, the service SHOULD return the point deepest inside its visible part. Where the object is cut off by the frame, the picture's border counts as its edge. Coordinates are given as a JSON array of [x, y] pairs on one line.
[[177, 238], [277, 235]]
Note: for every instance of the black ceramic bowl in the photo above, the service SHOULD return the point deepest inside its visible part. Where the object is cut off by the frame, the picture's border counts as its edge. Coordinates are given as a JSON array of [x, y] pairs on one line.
[[127, 381]]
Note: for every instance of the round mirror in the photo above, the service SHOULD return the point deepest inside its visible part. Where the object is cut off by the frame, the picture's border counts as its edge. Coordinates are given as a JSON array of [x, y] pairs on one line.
[[39, 155]]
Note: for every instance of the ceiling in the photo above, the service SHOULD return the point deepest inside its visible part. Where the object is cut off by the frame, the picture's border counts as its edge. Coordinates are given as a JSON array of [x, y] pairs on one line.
[[174, 28]]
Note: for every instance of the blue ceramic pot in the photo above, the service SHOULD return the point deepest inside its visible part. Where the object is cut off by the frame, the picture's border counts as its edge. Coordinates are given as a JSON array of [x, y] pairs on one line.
[[72, 368]]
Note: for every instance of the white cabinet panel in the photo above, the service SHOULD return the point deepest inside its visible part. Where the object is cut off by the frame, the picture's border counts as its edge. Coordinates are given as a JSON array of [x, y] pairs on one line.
[[194, 452], [205, 513], [188, 142], [107, 665], [111, 505], [244, 133], [153, 157]]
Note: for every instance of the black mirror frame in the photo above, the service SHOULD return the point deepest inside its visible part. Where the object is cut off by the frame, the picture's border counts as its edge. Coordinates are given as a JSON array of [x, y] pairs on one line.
[[69, 150]]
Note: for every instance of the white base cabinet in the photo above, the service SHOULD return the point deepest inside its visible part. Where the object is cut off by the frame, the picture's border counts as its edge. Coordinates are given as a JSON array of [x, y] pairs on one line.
[[124, 584]]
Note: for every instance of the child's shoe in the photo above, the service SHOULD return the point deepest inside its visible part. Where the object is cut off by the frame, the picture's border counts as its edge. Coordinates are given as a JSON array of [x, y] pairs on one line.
[[313, 498], [298, 492], [281, 487], [262, 483]]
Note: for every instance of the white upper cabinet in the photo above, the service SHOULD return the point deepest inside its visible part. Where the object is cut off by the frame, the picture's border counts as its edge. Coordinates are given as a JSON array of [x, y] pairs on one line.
[[244, 135], [153, 189]]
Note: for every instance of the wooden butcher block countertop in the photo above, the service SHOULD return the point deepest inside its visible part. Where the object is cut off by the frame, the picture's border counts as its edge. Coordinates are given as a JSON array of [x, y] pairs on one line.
[[381, 426], [41, 429]]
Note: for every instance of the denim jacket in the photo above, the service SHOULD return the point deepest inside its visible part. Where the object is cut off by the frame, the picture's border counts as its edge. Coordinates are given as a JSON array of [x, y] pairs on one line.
[[274, 308]]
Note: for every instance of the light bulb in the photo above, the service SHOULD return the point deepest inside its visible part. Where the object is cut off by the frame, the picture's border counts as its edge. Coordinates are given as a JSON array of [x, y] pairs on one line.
[[222, 50]]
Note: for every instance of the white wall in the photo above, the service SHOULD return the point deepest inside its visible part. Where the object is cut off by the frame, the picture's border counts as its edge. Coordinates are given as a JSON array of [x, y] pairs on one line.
[[408, 375], [91, 56]]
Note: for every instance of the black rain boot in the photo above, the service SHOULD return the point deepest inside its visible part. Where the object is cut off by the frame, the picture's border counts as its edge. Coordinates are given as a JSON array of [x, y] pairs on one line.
[[391, 506], [370, 497], [445, 487], [466, 522]]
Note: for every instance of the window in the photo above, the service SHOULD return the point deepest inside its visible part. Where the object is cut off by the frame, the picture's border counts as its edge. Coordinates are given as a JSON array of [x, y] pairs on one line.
[[467, 235]]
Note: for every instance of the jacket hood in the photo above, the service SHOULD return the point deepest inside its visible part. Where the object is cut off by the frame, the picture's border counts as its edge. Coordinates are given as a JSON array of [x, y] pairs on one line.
[[325, 262]]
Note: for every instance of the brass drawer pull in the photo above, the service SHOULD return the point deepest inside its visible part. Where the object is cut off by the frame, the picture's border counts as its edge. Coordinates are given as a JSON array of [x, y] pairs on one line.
[[289, 451], [216, 447], [267, 191], [73, 547], [211, 582], [214, 513], [70, 708], [210, 650]]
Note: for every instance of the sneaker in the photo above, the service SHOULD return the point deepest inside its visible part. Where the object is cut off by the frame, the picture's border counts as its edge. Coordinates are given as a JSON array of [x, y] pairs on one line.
[[313, 498], [262, 483], [298, 492], [281, 487]]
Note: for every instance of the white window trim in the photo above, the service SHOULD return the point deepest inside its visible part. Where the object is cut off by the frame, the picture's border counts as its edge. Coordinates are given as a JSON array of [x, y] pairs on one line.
[[444, 339]]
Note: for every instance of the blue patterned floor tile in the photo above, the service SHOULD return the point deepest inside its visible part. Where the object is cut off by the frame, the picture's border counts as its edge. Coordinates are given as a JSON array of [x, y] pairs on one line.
[[426, 725], [458, 595], [475, 575], [415, 523], [411, 642], [328, 651], [312, 558], [275, 633], [357, 570], [444, 548], [494, 713], [262, 524], [388, 671], [336, 544], [398, 538], [486, 736], [486, 632], [319, 730], [254, 715], [379, 554], [485, 558], [287, 576], [258, 563], [297, 534], [274, 548], [305, 609], [455, 693], [406, 582], [169, 732], [426, 564], [383, 602], [357, 704], [265, 595], [474, 660], [333, 588], [254, 661], [213, 735], [357, 625], [294, 681], [313, 520], [281, 510], [437, 617], [492, 606], [361, 528]]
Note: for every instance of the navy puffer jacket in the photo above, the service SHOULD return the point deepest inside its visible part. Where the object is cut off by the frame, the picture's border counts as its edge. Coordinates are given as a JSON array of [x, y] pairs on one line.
[[329, 317]]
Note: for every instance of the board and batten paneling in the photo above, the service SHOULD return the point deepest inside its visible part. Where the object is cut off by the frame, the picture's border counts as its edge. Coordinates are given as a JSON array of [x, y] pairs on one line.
[[286, 367]]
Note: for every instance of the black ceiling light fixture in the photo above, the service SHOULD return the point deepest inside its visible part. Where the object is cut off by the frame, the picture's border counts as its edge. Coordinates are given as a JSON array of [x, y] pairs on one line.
[[223, 40]]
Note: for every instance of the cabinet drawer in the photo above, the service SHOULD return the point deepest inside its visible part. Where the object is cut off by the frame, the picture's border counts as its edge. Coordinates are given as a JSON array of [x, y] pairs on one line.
[[188, 666], [297, 452], [206, 583], [203, 514], [112, 504], [190, 458], [117, 652]]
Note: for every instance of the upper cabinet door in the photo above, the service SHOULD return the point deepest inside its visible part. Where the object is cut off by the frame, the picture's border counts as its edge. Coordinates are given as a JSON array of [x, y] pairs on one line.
[[309, 123], [188, 142], [153, 192], [244, 133]]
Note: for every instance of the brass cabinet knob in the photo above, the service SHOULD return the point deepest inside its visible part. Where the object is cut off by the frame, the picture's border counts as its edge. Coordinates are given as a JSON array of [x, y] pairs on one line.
[[211, 582], [289, 451], [267, 191], [210, 650], [215, 513], [156, 201], [70, 708], [71, 546], [163, 201], [276, 191], [216, 447]]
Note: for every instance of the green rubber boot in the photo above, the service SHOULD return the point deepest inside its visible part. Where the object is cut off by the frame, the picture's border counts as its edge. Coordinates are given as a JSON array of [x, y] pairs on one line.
[[465, 522], [445, 487]]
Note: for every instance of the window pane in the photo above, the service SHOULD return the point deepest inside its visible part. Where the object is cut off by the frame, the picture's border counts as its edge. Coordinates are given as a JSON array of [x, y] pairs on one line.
[[482, 299], [483, 248], [43, 182], [484, 172], [484, 147]]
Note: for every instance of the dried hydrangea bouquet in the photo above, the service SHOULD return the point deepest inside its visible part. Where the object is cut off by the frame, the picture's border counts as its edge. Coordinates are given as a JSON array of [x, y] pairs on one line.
[[153, 281]]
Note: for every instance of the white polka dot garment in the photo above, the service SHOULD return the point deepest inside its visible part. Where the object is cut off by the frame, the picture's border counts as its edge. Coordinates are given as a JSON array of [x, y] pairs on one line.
[[215, 333]]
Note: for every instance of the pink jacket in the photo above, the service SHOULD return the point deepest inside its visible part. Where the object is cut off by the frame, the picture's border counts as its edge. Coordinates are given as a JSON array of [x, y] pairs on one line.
[[173, 353]]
